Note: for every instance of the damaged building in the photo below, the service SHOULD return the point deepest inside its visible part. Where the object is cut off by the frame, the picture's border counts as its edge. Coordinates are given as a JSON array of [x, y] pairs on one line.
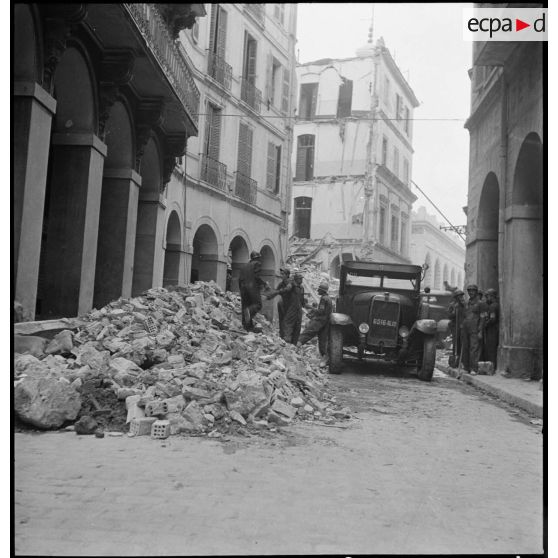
[[352, 160], [505, 215]]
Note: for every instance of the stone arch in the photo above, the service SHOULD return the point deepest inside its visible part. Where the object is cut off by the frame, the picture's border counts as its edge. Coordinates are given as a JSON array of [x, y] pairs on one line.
[[487, 233], [73, 193], [436, 283], [117, 218], [523, 279], [239, 254], [205, 254], [445, 274], [27, 64], [429, 272], [150, 227], [173, 250]]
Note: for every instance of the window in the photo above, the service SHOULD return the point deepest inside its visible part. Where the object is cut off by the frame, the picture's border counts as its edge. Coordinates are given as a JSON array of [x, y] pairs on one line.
[[302, 217], [217, 31], [396, 161], [308, 100], [274, 79], [382, 231], [407, 120], [406, 171], [212, 142], [279, 13], [394, 232], [273, 181], [398, 106], [345, 98], [404, 228], [384, 150], [245, 137], [305, 157], [286, 90], [387, 89], [250, 52]]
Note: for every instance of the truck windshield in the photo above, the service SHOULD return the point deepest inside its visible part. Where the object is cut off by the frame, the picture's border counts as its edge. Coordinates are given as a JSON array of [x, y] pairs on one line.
[[380, 282]]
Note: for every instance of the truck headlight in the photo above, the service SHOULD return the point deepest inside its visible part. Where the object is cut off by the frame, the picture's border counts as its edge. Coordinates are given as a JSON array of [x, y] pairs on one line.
[[404, 332], [363, 327]]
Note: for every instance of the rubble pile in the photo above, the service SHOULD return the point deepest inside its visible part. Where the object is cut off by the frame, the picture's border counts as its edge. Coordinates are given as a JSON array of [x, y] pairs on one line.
[[177, 361]]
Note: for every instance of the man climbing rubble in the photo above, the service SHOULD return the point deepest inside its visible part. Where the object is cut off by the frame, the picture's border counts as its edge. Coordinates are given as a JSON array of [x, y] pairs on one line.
[[250, 284], [319, 323], [292, 302]]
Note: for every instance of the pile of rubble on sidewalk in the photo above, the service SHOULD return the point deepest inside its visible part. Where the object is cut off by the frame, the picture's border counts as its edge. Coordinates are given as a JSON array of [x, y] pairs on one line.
[[170, 362]]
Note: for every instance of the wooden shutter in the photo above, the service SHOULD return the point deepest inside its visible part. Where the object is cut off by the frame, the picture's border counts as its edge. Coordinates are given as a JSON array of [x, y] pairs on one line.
[[208, 117], [213, 28], [245, 137], [277, 183], [286, 90], [221, 34], [271, 165], [314, 101], [269, 79], [300, 160], [250, 65], [215, 135]]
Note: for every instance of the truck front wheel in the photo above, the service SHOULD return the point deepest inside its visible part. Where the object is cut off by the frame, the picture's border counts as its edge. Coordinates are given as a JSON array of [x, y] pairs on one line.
[[335, 350], [428, 359]]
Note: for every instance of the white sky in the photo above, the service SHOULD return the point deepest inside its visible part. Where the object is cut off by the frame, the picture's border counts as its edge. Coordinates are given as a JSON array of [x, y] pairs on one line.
[[426, 42]]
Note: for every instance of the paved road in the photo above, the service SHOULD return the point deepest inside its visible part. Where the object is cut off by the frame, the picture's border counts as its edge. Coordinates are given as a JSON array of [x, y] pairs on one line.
[[425, 468]]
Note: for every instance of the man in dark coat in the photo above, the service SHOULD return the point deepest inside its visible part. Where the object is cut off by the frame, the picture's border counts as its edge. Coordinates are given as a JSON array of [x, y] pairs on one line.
[[285, 280], [491, 331], [250, 284], [319, 323], [290, 316], [472, 330], [455, 312]]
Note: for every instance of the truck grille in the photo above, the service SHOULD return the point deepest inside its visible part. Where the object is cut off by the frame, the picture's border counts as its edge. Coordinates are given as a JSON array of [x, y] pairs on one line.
[[384, 322]]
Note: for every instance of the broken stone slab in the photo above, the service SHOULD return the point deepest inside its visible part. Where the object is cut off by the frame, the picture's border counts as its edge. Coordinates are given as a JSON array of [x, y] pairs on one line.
[[86, 425], [193, 413], [193, 393], [30, 365], [297, 402], [61, 343], [88, 355], [283, 408], [165, 338], [177, 361], [197, 369], [30, 344], [215, 409], [45, 402], [276, 418], [121, 365], [237, 417]]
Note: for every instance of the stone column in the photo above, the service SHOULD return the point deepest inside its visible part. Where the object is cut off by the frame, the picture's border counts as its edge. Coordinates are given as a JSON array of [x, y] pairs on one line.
[[33, 111], [149, 252], [71, 244], [117, 235]]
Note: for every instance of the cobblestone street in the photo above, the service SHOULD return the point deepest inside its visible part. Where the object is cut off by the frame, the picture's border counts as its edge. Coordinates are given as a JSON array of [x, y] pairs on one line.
[[424, 468]]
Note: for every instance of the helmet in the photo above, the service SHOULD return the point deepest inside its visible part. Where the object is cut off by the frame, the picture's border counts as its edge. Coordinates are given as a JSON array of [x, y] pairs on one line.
[[323, 287], [285, 270], [491, 292], [472, 287], [298, 276], [457, 293], [254, 255]]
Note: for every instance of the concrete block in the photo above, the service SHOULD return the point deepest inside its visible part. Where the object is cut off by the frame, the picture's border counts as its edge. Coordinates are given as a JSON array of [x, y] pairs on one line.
[[160, 429]]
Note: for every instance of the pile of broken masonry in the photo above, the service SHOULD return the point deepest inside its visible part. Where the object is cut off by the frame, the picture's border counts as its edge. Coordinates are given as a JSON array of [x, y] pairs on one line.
[[179, 357]]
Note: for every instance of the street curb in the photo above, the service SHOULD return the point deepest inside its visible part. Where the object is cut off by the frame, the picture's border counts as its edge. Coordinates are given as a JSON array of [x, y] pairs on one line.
[[477, 382]]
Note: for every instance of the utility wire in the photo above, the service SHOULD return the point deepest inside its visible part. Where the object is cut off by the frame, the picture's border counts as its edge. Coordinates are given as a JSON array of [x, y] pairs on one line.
[[455, 229]]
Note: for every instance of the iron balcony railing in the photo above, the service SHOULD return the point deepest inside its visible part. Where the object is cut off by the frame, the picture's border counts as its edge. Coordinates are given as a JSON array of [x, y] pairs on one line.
[[245, 188], [213, 171], [251, 95], [219, 70], [257, 11], [156, 34]]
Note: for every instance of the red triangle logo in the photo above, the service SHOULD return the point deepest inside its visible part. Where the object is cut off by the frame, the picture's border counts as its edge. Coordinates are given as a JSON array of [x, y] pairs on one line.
[[519, 25]]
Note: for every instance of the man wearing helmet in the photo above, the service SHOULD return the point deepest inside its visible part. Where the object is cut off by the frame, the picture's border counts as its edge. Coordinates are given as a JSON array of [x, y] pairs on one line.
[[455, 312], [491, 327], [472, 329], [250, 283], [319, 323]]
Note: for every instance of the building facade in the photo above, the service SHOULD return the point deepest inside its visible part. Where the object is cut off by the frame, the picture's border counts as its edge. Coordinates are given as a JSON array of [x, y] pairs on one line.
[[442, 252], [103, 104], [505, 215], [352, 156], [237, 170]]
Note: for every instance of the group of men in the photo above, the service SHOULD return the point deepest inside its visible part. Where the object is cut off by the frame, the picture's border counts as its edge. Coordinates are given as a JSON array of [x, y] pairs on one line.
[[474, 327], [290, 307]]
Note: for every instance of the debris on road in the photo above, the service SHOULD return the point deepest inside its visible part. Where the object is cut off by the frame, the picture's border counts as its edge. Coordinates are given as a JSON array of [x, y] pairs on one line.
[[173, 361]]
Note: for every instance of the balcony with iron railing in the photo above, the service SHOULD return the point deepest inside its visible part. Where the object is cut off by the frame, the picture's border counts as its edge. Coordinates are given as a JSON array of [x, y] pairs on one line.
[[155, 32], [250, 94], [212, 171], [245, 188], [219, 70], [257, 11]]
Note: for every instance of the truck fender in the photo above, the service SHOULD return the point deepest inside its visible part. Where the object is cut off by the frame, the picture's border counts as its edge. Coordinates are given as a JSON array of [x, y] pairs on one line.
[[443, 326], [336, 318], [426, 326]]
